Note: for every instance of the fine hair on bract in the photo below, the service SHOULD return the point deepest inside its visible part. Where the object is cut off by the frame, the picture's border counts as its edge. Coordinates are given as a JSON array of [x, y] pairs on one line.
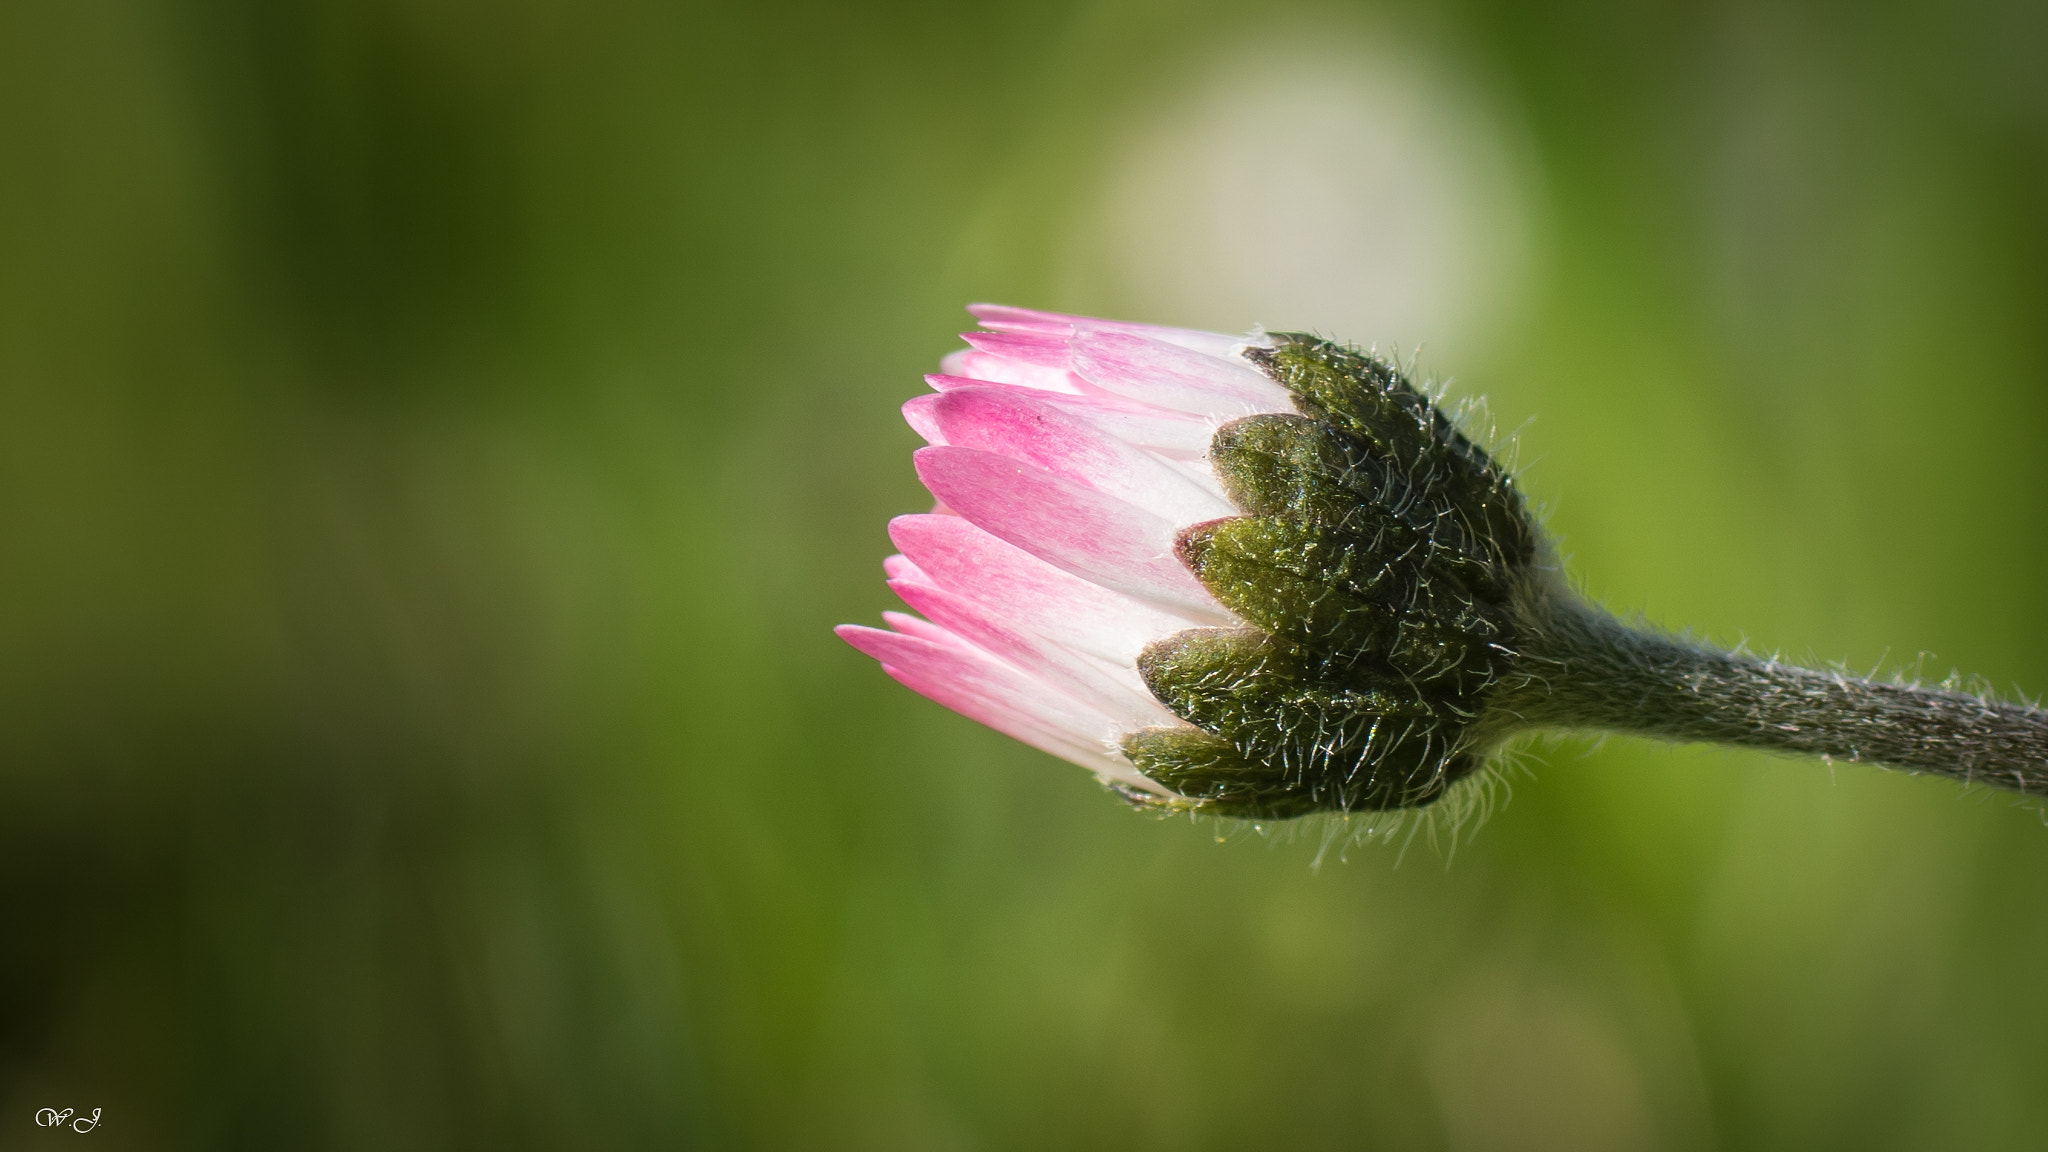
[[1464, 806]]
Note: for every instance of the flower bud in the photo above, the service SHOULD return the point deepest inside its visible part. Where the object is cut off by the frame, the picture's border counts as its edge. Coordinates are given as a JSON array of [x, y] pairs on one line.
[[1253, 576], [1266, 576]]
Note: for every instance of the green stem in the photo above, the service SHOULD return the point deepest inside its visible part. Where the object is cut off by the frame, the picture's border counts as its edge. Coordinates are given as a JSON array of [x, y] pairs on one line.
[[1583, 669]]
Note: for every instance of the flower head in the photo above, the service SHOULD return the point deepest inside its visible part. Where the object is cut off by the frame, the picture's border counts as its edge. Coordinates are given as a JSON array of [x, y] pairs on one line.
[[1265, 576], [1251, 575]]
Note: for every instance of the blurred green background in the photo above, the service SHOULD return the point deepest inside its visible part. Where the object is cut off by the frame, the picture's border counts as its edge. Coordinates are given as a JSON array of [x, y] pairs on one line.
[[436, 438]]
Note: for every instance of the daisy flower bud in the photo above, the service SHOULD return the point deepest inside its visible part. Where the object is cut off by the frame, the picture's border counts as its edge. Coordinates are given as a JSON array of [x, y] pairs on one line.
[[1264, 576]]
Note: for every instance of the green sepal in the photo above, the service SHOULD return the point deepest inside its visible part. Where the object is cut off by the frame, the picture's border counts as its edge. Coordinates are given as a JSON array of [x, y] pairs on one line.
[[1368, 398], [1339, 738], [1326, 592], [1213, 775], [1277, 464], [1380, 564]]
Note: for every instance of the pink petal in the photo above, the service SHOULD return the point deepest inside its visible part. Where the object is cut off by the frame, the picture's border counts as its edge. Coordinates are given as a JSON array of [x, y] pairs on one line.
[[1182, 435], [951, 553], [1095, 536], [1010, 423], [998, 685], [1156, 373], [1037, 348], [1119, 693], [982, 688], [1003, 370], [945, 382], [899, 567], [936, 633], [918, 413], [1003, 318]]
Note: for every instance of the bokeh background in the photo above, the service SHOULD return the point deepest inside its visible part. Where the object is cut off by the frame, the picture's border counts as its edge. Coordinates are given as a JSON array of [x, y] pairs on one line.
[[437, 436]]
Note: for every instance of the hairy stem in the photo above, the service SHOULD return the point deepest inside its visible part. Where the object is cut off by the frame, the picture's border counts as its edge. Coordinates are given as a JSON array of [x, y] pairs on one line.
[[1584, 669]]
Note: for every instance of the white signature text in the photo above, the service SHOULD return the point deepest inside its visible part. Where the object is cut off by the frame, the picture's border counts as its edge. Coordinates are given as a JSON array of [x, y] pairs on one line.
[[52, 1118]]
